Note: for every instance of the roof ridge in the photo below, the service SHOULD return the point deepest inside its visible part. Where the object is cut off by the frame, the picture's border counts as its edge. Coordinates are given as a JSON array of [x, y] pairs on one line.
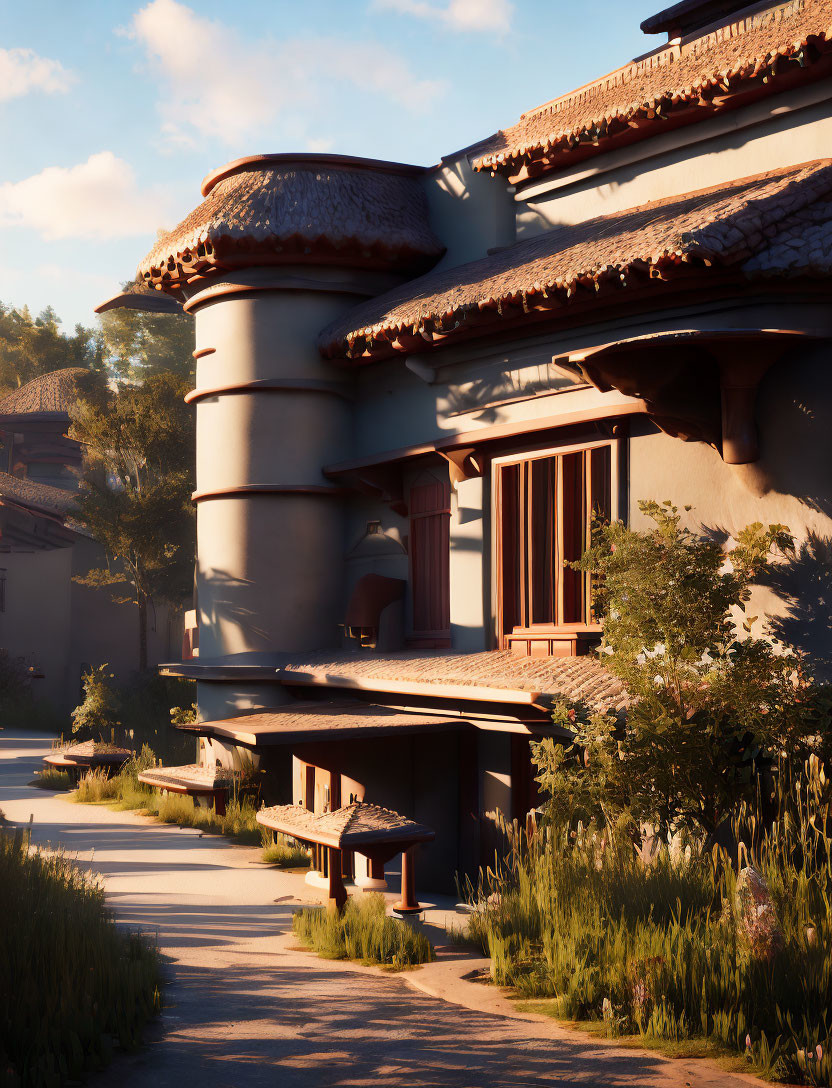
[[702, 70]]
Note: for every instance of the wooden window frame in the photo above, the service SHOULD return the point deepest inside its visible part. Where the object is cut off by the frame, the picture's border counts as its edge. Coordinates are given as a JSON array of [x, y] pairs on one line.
[[559, 639], [439, 638]]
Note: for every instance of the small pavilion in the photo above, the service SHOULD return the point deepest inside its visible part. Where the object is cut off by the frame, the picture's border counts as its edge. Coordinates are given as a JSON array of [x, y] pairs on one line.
[[208, 786], [377, 833], [88, 755]]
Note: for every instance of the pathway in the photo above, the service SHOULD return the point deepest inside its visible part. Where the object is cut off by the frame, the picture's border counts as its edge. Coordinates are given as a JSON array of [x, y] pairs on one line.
[[245, 1010]]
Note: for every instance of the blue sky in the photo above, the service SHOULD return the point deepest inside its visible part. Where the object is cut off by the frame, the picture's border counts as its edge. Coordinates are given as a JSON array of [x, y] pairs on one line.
[[112, 111]]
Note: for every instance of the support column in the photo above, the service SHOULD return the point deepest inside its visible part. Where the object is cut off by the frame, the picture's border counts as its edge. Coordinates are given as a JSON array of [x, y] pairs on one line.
[[337, 893], [408, 903]]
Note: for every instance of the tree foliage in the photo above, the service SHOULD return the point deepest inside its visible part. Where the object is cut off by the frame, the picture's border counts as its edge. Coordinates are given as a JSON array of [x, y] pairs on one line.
[[711, 705], [135, 493], [30, 347], [138, 344]]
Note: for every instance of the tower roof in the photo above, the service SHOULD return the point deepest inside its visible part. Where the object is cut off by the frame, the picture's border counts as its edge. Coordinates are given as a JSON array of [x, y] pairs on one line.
[[55, 392]]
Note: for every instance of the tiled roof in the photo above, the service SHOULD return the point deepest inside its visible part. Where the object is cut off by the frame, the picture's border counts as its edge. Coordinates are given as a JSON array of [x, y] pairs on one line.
[[193, 776], [33, 493], [41, 498], [95, 752], [753, 55], [282, 208], [302, 721], [53, 392], [725, 225], [574, 678], [356, 825]]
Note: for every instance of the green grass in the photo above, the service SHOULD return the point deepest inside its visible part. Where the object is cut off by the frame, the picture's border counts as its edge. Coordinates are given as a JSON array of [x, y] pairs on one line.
[[658, 951], [362, 932], [73, 985], [50, 778]]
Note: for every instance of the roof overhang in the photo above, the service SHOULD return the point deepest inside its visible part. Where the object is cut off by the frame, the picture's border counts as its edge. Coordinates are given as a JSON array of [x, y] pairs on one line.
[[306, 722], [156, 303]]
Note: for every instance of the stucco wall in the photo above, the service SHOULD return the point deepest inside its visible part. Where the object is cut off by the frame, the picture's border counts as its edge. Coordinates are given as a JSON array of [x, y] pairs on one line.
[[788, 136]]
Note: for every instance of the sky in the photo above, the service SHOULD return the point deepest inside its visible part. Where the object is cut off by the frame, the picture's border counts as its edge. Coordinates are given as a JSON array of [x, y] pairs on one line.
[[112, 111]]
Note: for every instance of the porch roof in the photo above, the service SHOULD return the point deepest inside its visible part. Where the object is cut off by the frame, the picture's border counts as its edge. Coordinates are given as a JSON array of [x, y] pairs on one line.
[[349, 828], [315, 721], [498, 676]]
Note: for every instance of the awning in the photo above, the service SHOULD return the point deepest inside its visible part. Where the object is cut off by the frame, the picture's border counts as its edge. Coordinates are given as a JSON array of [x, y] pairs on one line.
[[315, 721]]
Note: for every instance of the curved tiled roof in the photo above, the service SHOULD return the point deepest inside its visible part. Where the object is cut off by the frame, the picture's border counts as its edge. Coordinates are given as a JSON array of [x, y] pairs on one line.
[[752, 56], [53, 392], [726, 226], [285, 209]]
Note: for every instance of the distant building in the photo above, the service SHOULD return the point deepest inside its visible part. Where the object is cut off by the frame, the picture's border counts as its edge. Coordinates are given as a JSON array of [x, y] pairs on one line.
[[52, 625], [415, 385]]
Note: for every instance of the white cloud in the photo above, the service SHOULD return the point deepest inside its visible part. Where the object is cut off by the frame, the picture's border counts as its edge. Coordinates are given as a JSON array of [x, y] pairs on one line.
[[226, 88], [98, 198], [22, 71], [490, 16]]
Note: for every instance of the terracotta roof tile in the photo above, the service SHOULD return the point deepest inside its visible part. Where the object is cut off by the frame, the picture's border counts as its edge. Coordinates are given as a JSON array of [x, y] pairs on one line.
[[41, 498], [724, 225], [53, 392], [573, 678], [283, 209], [356, 825], [706, 73]]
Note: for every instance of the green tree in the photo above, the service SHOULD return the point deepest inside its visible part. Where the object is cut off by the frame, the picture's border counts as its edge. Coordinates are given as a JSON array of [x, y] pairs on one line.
[[138, 344], [30, 347], [99, 712], [136, 489], [710, 704]]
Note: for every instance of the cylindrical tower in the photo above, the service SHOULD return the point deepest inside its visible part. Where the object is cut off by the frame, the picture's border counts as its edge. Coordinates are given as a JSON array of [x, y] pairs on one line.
[[281, 247]]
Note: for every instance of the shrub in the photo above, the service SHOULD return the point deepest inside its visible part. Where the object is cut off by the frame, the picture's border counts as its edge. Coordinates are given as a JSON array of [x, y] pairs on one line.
[[73, 982], [711, 706], [98, 714], [362, 932]]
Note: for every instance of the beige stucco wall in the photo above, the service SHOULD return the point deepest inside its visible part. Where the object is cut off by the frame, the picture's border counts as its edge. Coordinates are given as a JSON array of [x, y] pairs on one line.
[[795, 129]]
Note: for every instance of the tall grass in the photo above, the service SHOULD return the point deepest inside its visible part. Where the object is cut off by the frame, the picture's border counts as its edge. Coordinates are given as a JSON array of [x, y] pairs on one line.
[[282, 851], [124, 791], [50, 778], [661, 950], [362, 932], [72, 984]]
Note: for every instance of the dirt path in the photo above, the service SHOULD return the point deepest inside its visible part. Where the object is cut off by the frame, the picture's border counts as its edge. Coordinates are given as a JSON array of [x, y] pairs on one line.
[[245, 1010]]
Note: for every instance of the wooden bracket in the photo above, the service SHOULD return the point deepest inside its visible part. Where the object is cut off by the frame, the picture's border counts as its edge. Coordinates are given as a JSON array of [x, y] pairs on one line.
[[740, 377], [463, 464]]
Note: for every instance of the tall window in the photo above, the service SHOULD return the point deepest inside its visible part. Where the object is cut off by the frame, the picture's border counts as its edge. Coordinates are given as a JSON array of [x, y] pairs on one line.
[[544, 508], [430, 545]]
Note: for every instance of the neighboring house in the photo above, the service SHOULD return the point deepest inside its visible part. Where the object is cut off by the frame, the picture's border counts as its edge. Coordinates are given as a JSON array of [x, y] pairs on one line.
[[56, 627], [414, 387]]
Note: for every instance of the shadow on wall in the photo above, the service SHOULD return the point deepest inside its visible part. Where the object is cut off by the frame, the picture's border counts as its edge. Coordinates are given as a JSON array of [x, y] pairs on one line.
[[221, 604], [804, 584]]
